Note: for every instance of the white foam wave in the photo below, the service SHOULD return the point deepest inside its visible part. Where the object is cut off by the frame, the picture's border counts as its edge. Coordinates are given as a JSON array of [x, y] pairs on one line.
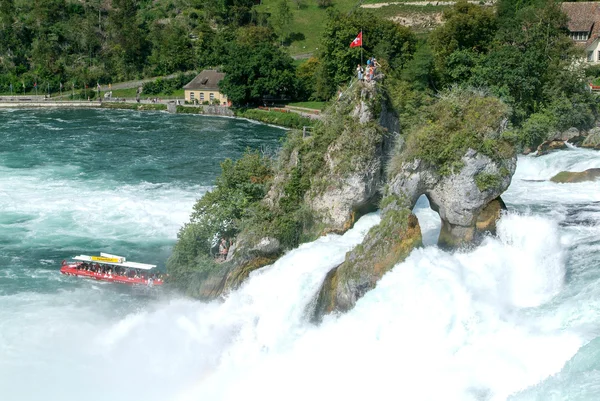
[[453, 320], [439, 326], [530, 185], [545, 167], [92, 209], [167, 347]]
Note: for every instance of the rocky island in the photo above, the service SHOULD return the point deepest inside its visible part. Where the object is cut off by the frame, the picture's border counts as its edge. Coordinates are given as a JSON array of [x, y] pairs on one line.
[[355, 161]]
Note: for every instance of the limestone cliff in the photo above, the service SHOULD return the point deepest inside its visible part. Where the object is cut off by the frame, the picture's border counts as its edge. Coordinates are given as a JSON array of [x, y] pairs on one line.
[[460, 161], [322, 183], [354, 158]]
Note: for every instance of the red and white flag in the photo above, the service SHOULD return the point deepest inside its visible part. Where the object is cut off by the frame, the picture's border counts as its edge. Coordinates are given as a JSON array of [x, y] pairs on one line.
[[357, 42]]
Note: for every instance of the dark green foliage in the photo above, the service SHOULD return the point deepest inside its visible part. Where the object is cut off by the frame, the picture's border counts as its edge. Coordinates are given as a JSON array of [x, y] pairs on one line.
[[167, 86], [219, 213], [289, 120], [458, 121], [91, 41], [536, 128], [240, 184], [467, 28], [257, 70], [390, 43], [521, 54], [420, 71]]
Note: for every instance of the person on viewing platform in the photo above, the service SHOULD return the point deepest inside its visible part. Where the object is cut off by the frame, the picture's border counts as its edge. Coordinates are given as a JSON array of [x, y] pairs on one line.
[[359, 72], [223, 249]]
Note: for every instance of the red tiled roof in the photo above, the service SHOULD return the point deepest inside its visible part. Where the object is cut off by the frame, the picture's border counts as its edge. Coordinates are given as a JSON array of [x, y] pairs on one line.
[[583, 17]]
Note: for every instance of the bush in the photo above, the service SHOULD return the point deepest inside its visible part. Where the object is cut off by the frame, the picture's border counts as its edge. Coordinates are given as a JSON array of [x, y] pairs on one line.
[[462, 119], [218, 213], [167, 86], [284, 119], [536, 129], [325, 3]]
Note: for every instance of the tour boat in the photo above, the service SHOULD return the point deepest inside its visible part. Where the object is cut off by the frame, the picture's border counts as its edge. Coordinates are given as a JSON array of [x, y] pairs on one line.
[[113, 268]]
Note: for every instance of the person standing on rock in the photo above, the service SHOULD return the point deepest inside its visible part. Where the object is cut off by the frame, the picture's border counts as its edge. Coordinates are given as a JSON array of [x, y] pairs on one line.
[[359, 72], [223, 249]]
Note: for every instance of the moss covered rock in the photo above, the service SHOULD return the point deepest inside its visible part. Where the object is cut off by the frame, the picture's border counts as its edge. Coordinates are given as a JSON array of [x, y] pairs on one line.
[[385, 245], [465, 165], [570, 176]]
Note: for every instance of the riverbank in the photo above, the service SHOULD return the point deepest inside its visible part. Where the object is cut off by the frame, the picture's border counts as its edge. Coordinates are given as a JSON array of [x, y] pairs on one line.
[[289, 119]]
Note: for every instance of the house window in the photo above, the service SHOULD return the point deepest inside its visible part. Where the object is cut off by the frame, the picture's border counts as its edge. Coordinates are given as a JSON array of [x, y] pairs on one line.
[[201, 96], [590, 56], [212, 96], [579, 36], [191, 95]]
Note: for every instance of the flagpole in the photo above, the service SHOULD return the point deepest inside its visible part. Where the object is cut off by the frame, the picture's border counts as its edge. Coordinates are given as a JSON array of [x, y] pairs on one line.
[[361, 40]]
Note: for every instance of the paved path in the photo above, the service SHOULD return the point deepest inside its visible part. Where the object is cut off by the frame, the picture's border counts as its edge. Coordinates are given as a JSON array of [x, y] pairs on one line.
[[423, 3]]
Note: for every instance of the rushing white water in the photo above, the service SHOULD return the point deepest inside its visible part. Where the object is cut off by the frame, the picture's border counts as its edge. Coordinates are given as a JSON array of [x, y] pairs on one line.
[[517, 318]]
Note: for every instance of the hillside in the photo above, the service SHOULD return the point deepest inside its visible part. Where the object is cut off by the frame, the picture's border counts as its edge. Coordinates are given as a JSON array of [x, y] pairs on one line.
[[308, 19]]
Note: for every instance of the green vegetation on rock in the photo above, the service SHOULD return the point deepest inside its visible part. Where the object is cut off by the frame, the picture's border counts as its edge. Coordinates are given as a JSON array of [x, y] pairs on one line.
[[458, 121], [486, 181], [385, 245], [569, 176], [219, 213]]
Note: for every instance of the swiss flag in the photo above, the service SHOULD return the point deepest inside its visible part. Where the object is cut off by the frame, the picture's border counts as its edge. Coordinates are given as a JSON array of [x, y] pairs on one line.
[[357, 42]]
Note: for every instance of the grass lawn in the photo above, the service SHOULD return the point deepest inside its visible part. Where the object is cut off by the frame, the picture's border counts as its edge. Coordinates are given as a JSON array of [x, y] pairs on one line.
[[308, 20], [131, 92]]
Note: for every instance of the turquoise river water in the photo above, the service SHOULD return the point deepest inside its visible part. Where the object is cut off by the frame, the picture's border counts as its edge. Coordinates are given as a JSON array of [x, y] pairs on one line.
[[516, 318]]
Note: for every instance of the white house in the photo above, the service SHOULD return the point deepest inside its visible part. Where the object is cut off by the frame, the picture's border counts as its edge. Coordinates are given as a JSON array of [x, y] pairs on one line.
[[584, 27]]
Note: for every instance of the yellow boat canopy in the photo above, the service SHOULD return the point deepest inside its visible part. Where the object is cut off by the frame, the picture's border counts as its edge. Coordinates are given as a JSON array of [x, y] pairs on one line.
[[113, 260]]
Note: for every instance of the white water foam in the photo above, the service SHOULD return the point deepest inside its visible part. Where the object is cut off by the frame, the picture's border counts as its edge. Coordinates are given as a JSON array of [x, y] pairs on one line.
[[476, 326], [93, 208], [438, 326]]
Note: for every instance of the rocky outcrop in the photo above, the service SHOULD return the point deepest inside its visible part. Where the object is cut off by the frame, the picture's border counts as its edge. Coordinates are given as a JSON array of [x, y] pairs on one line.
[[345, 187], [592, 141], [568, 134], [354, 165], [244, 256], [384, 246], [550, 146], [569, 176], [459, 198]]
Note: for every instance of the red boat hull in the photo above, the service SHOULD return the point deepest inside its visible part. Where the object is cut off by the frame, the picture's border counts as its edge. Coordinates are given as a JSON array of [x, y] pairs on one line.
[[72, 270]]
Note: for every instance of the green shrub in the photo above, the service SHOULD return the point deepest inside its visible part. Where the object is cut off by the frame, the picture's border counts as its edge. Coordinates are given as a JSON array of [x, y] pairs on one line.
[[485, 181], [536, 129], [461, 119], [219, 213], [167, 85], [283, 119]]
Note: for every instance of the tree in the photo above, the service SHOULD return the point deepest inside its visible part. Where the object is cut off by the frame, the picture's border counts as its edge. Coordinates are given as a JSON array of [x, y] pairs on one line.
[[527, 54], [171, 49], [256, 70], [381, 38], [130, 47], [281, 19], [469, 30]]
